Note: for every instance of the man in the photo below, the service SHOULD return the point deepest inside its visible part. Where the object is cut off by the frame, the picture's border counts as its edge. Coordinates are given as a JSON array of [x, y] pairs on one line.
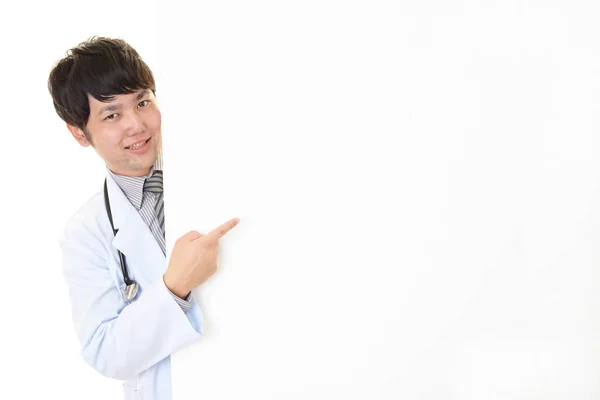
[[131, 309]]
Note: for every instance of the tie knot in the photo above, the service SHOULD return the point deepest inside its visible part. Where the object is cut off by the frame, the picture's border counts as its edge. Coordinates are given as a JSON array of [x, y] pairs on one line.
[[154, 183]]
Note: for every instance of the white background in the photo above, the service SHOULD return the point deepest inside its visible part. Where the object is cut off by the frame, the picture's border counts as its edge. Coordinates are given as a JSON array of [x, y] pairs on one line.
[[417, 189], [418, 193]]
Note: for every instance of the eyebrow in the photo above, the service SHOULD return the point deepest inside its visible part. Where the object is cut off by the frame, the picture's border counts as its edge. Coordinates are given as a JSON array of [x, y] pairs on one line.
[[115, 107], [141, 94]]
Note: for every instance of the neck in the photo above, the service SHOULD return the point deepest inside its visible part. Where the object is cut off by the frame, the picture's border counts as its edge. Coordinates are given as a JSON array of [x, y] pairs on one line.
[[131, 173]]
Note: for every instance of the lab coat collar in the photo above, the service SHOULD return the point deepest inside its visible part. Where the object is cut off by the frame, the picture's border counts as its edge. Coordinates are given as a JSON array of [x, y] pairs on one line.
[[120, 206], [134, 239]]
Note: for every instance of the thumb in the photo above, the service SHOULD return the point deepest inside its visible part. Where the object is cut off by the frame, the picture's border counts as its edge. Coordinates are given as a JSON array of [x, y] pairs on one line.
[[191, 236]]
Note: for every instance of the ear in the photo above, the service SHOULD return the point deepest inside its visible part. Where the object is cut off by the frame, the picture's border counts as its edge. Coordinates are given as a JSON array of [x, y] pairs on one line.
[[78, 135]]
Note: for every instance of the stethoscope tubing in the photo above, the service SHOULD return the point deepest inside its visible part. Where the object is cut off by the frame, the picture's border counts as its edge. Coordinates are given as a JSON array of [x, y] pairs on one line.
[[131, 285]]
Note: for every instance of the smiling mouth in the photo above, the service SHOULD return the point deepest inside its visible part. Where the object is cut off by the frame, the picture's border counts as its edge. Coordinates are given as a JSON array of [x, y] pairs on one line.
[[137, 146]]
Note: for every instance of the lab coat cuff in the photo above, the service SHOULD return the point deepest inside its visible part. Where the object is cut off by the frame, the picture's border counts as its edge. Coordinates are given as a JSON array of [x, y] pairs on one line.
[[185, 304]]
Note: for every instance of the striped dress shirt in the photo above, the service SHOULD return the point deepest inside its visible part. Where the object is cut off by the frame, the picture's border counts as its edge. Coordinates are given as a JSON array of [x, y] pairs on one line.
[[144, 202]]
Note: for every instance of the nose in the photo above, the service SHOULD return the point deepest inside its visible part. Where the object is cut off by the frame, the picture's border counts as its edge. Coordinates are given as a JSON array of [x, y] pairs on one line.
[[135, 124]]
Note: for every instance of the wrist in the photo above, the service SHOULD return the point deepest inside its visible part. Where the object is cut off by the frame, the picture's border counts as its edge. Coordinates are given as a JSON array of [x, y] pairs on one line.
[[178, 290]]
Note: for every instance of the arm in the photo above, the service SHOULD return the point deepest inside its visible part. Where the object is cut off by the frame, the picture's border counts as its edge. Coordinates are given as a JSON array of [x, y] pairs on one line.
[[119, 340]]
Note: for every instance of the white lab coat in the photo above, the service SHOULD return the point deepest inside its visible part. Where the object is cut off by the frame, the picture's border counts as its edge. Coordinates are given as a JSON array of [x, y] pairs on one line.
[[129, 341]]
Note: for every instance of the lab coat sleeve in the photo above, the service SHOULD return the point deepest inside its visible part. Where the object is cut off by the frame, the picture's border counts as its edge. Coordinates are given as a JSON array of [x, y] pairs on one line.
[[185, 304], [119, 340]]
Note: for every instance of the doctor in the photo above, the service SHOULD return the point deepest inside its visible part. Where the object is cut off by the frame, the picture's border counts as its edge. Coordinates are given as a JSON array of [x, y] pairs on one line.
[[131, 308]]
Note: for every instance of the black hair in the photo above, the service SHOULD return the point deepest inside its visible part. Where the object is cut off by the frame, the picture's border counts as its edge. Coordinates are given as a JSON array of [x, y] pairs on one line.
[[101, 67]]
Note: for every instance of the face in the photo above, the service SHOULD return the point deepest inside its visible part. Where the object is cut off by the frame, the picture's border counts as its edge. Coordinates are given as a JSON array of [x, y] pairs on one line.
[[125, 132]]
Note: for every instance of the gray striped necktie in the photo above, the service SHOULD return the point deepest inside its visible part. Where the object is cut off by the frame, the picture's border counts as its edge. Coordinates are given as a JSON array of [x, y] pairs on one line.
[[154, 184]]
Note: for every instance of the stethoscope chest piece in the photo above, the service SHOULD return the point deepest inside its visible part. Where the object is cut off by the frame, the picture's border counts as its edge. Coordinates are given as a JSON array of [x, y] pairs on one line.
[[131, 290]]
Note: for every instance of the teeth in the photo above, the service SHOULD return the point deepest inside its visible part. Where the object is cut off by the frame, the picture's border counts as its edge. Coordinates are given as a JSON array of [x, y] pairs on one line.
[[137, 146]]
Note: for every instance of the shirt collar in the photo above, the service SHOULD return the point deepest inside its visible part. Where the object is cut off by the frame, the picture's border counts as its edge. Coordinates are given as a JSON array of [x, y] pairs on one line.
[[133, 186]]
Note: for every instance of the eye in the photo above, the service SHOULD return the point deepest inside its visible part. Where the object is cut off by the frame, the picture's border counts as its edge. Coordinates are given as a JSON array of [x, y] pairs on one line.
[[143, 103], [111, 117]]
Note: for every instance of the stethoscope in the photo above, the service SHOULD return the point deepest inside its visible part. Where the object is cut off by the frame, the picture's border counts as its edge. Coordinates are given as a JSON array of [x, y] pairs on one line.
[[131, 286]]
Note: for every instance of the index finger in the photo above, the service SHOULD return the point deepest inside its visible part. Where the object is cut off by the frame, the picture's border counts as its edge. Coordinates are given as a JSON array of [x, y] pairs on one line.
[[218, 232]]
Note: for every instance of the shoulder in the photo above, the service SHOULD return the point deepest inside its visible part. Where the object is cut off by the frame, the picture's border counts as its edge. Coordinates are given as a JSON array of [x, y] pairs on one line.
[[85, 241], [89, 221]]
